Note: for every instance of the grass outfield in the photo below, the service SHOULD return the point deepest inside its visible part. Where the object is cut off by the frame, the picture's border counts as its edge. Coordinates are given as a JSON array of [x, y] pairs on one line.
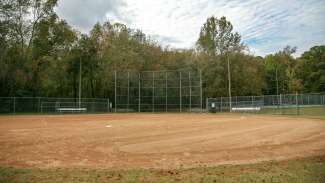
[[302, 170]]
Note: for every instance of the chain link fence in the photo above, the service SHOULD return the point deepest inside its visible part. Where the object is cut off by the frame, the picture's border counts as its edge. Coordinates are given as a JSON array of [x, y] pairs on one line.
[[288, 104], [158, 91], [14, 105]]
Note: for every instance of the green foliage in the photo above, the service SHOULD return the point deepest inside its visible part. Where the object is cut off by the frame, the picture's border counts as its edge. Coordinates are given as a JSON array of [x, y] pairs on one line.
[[311, 69], [216, 37], [40, 56], [281, 72], [217, 42]]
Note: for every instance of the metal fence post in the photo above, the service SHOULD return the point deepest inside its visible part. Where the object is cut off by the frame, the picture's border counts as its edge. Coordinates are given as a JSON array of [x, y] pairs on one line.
[[166, 99], [115, 107], [190, 86], [108, 110], [206, 104], [14, 105], [297, 104], [180, 91], [39, 104], [41, 109], [201, 92], [139, 102], [128, 102], [221, 105], [153, 91], [281, 103]]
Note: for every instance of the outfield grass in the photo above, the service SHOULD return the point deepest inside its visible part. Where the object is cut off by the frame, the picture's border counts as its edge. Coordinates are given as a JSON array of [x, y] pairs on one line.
[[315, 112], [299, 171]]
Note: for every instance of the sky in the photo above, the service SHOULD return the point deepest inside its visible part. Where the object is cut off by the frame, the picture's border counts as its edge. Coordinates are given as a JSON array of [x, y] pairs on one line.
[[265, 26]]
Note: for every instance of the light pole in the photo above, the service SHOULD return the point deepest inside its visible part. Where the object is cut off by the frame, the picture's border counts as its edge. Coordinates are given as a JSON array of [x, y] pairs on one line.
[[80, 68], [277, 85], [277, 81], [229, 82]]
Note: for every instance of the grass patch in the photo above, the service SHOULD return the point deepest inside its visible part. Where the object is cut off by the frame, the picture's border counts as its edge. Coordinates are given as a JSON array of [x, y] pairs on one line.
[[311, 111], [299, 171]]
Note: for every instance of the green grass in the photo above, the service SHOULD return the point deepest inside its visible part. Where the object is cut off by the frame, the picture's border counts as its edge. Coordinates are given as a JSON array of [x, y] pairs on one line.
[[298, 171], [313, 111]]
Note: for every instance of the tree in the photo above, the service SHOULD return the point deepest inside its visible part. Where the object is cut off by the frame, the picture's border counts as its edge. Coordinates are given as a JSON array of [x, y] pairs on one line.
[[22, 19], [311, 69], [217, 37], [24, 16], [40, 56], [281, 72], [218, 41]]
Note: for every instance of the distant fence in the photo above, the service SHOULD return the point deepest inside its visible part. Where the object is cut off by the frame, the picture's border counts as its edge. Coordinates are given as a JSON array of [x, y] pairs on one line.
[[298, 104], [13, 105]]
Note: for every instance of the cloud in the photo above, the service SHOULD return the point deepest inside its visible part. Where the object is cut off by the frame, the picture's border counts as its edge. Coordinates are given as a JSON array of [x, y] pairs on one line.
[[266, 26], [165, 40], [84, 14]]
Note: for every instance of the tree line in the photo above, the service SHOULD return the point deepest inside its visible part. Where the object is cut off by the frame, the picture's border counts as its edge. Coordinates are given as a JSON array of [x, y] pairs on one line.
[[40, 56]]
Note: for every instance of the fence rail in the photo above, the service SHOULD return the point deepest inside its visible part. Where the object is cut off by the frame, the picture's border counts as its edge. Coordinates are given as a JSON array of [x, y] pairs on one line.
[[12, 105]]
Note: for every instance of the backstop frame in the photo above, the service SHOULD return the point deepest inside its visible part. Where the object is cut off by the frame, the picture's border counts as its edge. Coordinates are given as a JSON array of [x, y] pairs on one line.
[[158, 91]]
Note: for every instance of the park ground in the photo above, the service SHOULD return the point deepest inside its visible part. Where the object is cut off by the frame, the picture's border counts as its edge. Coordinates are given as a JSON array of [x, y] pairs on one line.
[[161, 148]]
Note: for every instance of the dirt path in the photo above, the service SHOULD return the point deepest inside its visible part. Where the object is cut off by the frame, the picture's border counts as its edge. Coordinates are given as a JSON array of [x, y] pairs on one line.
[[155, 140]]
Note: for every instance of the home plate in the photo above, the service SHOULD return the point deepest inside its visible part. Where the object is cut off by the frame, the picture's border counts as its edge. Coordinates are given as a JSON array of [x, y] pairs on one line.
[[108, 126]]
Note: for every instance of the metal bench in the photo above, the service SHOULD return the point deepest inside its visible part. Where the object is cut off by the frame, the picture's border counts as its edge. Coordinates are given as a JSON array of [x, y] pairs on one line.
[[246, 108], [69, 109]]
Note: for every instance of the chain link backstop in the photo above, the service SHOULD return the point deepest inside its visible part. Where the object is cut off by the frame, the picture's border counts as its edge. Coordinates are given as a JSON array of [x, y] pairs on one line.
[[158, 91]]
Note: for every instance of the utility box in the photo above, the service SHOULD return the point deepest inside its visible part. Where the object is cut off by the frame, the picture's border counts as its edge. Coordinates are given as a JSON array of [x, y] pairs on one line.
[[213, 107]]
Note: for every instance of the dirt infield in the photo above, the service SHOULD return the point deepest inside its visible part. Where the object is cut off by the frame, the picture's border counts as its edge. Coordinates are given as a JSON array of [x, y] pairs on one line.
[[155, 140]]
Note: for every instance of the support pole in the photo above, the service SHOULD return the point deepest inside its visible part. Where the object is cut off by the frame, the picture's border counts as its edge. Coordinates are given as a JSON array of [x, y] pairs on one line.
[[201, 102], [180, 91], [207, 104], [108, 105], [235, 99], [14, 105], [277, 81], [115, 86], [221, 105], [39, 104], [80, 65], [166, 92], [128, 103], [229, 82], [297, 104], [277, 85], [139, 105], [190, 86], [281, 103], [153, 91]]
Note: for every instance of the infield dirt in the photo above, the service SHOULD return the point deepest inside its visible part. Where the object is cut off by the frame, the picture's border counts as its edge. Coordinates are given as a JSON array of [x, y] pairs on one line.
[[161, 141]]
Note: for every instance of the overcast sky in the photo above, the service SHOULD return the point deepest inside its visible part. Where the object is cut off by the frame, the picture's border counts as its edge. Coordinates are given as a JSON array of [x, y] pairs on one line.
[[266, 26]]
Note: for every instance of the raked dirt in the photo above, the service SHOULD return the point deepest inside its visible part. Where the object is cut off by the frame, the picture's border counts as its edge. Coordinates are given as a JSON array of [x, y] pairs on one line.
[[161, 141]]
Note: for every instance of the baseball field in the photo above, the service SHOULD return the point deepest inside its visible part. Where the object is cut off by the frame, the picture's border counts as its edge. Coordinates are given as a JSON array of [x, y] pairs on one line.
[[152, 142]]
